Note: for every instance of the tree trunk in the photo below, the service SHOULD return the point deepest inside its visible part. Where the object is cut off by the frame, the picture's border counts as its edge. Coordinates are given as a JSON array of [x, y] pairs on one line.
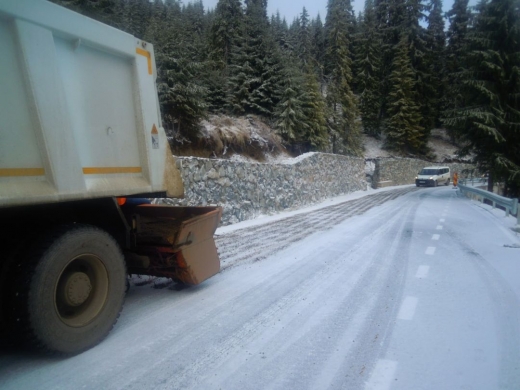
[[490, 182]]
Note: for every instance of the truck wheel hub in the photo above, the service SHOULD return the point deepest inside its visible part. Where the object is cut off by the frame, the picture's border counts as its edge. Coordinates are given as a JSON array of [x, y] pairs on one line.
[[77, 288]]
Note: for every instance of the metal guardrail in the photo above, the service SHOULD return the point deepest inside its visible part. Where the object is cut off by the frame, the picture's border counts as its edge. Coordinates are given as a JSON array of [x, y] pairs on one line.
[[510, 205], [473, 180]]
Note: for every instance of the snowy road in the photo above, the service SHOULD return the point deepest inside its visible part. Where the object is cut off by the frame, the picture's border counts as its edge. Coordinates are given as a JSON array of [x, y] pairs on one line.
[[399, 289]]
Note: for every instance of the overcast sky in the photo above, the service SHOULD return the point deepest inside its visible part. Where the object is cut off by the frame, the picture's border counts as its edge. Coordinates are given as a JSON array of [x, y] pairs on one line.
[[292, 8]]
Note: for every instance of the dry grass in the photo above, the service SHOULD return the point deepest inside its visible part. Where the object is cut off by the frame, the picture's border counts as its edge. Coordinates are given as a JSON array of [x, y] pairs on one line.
[[224, 136]]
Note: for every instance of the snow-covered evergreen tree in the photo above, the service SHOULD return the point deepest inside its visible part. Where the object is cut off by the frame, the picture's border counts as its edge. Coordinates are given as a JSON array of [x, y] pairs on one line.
[[368, 64], [488, 116], [342, 106], [136, 17], [436, 41], [455, 56], [256, 69], [289, 113], [403, 130], [227, 27], [318, 46], [304, 46], [314, 135]]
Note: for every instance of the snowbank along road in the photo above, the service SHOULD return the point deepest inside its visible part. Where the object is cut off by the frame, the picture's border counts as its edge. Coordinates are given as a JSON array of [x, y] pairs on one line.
[[401, 289]]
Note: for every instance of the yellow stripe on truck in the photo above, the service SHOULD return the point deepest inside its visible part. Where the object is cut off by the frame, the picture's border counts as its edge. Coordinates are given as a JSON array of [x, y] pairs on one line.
[[17, 172], [148, 57], [110, 170]]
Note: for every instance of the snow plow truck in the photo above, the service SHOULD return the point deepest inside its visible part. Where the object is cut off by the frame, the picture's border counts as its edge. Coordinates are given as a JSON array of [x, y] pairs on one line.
[[82, 149]]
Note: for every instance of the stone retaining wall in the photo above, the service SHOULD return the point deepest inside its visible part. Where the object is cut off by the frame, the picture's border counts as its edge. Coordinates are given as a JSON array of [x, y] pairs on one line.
[[246, 190], [400, 171]]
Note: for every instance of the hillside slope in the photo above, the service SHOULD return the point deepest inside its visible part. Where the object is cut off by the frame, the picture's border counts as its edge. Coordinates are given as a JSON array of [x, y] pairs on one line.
[[251, 138]]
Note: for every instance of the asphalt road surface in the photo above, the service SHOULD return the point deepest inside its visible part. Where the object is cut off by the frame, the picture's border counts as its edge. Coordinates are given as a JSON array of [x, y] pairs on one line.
[[402, 289]]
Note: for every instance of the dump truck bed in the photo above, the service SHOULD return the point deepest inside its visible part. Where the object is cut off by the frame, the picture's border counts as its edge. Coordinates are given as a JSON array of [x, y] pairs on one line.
[[79, 114]]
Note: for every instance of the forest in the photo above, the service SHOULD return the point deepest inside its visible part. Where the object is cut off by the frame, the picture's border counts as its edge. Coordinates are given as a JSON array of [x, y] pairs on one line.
[[395, 71]]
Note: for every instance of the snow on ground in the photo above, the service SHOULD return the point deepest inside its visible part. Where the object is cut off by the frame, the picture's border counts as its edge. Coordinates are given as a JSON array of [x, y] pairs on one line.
[[459, 317], [373, 148], [391, 289], [439, 143], [263, 219], [508, 227]]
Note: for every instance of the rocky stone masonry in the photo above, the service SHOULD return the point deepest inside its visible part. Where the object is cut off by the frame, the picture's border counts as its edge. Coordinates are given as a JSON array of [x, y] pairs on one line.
[[399, 171], [246, 190]]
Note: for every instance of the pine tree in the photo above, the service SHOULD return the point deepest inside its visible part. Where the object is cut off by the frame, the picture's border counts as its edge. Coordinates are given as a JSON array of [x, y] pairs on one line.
[[396, 19], [403, 131], [318, 46], [181, 97], [194, 31], [289, 113], [421, 57], [458, 17], [256, 67], [266, 96], [390, 18], [436, 40], [279, 31], [293, 35], [302, 104], [300, 114], [368, 64], [343, 113], [226, 30], [156, 25], [315, 129], [84, 7], [488, 120], [224, 37], [137, 13], [358, 40], [304, 47], [106, 11], [181, 69]]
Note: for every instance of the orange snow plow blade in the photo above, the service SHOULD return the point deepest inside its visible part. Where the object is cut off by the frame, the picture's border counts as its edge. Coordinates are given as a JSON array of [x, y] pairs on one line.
[[175, 242]]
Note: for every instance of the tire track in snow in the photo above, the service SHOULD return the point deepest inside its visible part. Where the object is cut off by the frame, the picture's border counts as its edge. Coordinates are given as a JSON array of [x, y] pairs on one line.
[[177, 353], [259, 242], [243, 247], [281, 297], [360, 320]]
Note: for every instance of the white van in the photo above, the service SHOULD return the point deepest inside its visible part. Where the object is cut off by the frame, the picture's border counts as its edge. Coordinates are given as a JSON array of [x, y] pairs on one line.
[[433, 176]]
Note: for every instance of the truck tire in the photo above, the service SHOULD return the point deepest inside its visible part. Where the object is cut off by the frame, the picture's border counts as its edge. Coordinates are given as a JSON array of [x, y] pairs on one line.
[[69, 290]]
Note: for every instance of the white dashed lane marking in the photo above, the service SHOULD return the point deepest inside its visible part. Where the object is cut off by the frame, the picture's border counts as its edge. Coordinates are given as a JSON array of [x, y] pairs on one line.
[[407, 310], [422, 271], [383, 374]]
